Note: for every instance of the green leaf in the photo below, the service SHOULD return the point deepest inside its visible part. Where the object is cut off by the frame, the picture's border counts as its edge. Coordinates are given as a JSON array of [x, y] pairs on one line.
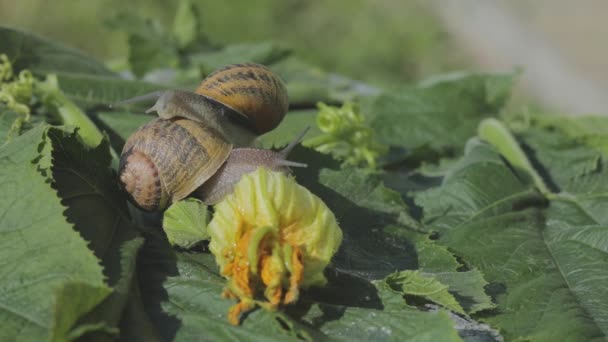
[[150, 45], [576, 232], [123, 300], [40, 55], [363, 208], [8, 129], [186, 23], [185, 222], [94, 91], [394, 321], [437, 262], [498, 135], [468, 288], [74, 300], [423, 285], [587, 130], [442, 116], [581, 251], [293, 124], [123, 124], [347, 307], [307, 84], [494, 221], [187, 286], [432, 257], [576, 172], [88, 188], [150, 52], [182, 294], [97, 207], [446, 207], [41, 251], [495, 89], [66, 112], [266, 53]]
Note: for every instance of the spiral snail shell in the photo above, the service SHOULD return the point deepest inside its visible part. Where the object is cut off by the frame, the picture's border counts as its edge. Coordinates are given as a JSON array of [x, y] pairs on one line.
[[192, 142], [251, 89]]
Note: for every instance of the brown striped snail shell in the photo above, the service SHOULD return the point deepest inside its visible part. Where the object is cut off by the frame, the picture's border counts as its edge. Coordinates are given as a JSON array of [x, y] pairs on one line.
[[192, 141], [251, 89]]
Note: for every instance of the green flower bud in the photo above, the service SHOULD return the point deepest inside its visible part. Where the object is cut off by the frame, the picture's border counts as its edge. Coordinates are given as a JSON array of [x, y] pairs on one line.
[[346, 136]]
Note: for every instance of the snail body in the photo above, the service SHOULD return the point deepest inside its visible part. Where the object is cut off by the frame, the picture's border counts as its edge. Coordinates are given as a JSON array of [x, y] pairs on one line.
[[199, 143]]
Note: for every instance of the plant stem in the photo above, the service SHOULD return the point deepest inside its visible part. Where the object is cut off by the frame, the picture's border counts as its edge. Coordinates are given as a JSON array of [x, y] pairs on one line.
[[68, 112]]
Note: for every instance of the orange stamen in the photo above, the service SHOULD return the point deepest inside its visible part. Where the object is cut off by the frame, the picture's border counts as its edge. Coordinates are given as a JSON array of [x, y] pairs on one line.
[[235, 312], [271, 274], [297, 274], [269, 269]]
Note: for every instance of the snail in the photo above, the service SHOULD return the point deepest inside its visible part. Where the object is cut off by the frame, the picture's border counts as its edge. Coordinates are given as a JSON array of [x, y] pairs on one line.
[[200, 144]]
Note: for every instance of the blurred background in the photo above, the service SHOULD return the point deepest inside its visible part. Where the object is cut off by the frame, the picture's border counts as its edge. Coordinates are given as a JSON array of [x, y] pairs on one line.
[[560, 45]]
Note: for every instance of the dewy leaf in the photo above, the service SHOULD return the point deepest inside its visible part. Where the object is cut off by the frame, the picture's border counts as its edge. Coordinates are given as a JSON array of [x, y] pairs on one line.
[[441, 116], [40, 251], [28, 51], [185, 222], [494, 221], [423, 285]]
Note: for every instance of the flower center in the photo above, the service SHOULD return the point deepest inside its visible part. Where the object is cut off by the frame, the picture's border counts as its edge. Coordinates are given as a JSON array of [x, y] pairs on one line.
[[263, 262]]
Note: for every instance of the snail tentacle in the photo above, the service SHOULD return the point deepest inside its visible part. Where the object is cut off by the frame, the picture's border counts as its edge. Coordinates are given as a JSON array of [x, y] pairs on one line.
[[139, 98]]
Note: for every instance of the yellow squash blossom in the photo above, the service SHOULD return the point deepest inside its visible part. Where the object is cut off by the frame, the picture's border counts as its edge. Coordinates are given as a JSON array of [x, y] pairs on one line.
[[271, 237]]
